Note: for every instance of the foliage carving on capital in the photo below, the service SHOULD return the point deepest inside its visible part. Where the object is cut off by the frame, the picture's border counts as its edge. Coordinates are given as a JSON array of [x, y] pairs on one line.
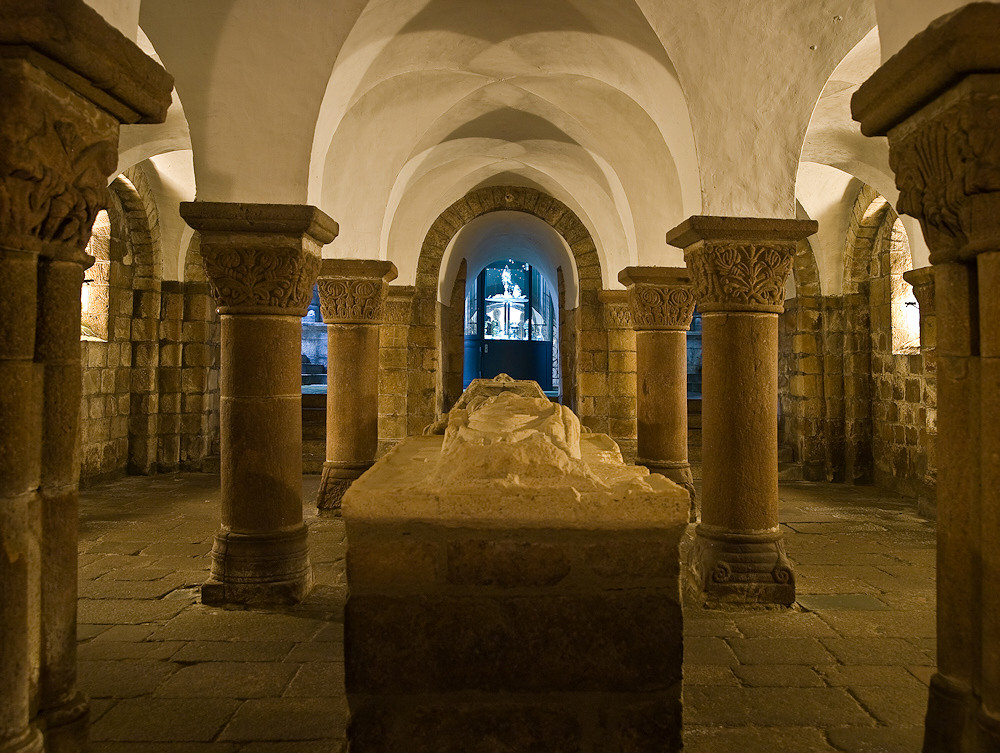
[[943, 165], [740, 275], [659, 307], [247, 279], [54, 167], [352, 300]]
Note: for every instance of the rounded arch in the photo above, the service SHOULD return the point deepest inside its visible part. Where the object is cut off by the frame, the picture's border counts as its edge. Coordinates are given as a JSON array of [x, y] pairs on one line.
[[142, 222], [506, 198], [869, 213]]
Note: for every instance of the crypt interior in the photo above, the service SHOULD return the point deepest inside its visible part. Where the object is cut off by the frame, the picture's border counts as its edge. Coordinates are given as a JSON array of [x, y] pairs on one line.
[[588, 376]]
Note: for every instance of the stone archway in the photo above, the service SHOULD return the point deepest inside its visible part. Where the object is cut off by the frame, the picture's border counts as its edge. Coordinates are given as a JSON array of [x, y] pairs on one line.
[[580, 326]]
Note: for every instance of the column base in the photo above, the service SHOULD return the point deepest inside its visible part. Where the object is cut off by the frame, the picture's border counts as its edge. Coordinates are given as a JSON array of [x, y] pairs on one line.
[[259, 568], [30, 742], [947, 711], [66, 726], [337, 478], [741, 568], [680, 473]]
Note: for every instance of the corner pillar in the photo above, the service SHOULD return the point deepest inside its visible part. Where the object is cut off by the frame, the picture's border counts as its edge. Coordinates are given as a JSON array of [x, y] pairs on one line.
[[738, 267], [59, 124], [938, 101], [261, 261], [662, 303], [352, 295]]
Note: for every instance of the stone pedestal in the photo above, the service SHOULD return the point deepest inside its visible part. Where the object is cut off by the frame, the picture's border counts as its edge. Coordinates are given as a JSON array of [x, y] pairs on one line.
[[662, 304], [738, 267], [937, 101], [501, 599], [261, 261], [67, 80], [352, 296]]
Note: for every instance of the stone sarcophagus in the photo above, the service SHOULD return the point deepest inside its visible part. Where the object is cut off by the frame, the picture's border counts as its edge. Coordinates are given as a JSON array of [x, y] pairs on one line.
[[513, 588]]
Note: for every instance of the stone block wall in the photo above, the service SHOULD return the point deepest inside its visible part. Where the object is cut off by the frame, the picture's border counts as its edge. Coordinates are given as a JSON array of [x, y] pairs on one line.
[[852, 409], [903, 387], [393, 359], [621, 360], [107, 359], [104, 413], [801, 385], [151, 389]]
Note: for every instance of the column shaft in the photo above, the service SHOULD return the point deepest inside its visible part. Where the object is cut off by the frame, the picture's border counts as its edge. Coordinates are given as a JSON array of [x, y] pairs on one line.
[[989, 593], [661, 373], [958, 476], [20, 463], [351, 408], [57, 351], [739, 421], [739, 267], [352, 296], [261, 424]]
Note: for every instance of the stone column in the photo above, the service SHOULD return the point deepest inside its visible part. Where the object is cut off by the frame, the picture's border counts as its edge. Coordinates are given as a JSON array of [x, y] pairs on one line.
[[57, 348], [261, 261], [922, 282], [67, 79], [738, 267], [352, 294], [937, 101], [662, 304]]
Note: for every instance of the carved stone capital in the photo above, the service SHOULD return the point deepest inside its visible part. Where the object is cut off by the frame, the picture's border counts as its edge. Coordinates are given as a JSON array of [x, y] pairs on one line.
[[661, 298], [56, 153], [354, 291], [938, 101], [922, 282], [260, 258], [617, 314], [67, 79], [739, 263]]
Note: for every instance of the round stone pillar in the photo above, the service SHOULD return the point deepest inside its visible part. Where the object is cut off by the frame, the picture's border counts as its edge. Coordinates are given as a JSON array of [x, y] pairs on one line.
[[261, 261], [352, 294], [935, 110], [62, 106], [662, 303], [738, 267], [57, 349]]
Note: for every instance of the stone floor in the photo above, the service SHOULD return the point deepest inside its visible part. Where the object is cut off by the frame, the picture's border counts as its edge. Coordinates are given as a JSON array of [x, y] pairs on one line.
[[846, 670]]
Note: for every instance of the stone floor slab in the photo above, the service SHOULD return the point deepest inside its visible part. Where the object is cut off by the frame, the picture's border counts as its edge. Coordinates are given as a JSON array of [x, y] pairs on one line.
[[807, 651], [855, 602], [727, 740], [228, 680], [164, 720], [773, 707], [778, 676], [287, 719]]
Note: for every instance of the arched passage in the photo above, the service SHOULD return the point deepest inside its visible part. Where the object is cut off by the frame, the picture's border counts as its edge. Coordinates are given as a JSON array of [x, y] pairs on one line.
[[579, 316]]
